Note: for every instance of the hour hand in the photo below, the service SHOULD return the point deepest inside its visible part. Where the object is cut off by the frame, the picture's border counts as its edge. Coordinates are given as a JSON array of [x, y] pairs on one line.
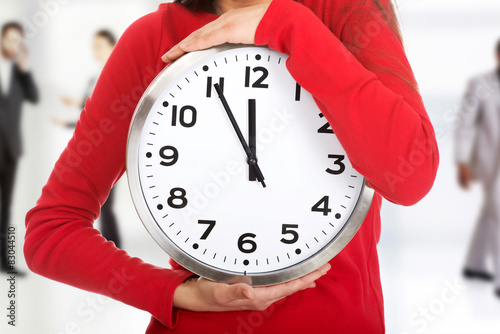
[[251, 158]]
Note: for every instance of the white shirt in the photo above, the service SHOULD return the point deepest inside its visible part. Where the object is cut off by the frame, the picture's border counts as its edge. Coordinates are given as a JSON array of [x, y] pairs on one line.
[[6, 67]]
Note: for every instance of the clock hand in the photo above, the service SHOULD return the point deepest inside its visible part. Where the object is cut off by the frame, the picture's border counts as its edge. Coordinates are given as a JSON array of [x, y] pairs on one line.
[[251, 158], [252, 137]]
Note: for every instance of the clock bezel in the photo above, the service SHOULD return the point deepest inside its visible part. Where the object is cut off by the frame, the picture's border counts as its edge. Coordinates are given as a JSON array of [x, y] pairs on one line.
[[152, 93]]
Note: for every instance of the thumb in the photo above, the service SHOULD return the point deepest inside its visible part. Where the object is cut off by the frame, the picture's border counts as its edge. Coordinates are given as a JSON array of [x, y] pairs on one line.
[[241, 291]]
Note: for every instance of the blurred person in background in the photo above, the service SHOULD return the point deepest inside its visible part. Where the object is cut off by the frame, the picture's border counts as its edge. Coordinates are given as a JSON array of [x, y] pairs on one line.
[[477, 152], [103, 44], [16, 86]]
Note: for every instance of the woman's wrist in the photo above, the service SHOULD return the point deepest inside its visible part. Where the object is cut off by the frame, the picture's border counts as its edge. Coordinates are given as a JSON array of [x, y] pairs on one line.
[[184, 293]]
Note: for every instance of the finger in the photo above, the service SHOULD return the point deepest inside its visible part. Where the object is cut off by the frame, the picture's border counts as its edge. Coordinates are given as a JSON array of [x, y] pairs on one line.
[[307, 280], [214, 33], [269, 303], [206, 38], [201, 40], [173, 54], [176, 51], [242, 291], [234, 294], [310, 286], [296, 285], [325, 268], [276, 292], [261, 298], [282, 290]]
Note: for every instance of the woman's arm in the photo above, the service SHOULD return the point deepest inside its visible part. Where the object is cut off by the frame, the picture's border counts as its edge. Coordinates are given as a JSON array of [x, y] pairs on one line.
[[379, 118], [61, 242]]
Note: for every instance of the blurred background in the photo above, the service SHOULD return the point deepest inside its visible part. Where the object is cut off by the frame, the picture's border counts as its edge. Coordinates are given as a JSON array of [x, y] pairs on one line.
[[423, 247]]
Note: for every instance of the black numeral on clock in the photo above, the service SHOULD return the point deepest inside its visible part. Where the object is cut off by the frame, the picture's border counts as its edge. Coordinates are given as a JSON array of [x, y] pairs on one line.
[[211, 225], [177, 199], [259, 83], [246, 244], [210, 85], [289, 229], [183, 116], [338, 162], [326, 128], [170, 155], [322, 206]]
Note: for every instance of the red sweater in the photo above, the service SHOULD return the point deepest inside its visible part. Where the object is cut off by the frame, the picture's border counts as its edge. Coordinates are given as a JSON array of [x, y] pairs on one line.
[[378, 117]]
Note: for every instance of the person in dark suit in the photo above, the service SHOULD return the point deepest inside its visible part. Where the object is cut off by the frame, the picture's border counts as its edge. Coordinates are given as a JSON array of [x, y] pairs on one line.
[[16, 86], [103, 44]]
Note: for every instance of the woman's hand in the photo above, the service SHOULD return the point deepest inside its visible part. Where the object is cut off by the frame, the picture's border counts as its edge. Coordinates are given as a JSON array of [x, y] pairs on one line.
[[202, 295], [234, 26]]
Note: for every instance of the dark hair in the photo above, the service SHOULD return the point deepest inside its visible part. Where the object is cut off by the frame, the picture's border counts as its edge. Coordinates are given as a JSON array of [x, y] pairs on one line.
[[497, 48], [108, 35], [12, 25], [205, 5]]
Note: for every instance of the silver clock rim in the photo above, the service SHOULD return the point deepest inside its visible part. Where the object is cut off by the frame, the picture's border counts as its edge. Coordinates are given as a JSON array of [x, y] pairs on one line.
[[152, 93]]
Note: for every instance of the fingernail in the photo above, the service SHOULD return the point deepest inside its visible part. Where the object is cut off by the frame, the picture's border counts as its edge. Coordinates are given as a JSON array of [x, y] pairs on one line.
[[324, 270], [167, 55], [169, 52]]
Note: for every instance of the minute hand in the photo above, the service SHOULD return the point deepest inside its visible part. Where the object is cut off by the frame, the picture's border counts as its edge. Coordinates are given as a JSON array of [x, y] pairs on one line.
[[251, 158]]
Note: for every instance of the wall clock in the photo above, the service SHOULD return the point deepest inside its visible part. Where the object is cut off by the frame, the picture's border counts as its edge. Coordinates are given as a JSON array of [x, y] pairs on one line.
[[235, 172]]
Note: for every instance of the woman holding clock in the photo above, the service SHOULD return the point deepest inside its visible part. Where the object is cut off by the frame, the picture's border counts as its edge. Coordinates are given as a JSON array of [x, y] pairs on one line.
[[348, 54]]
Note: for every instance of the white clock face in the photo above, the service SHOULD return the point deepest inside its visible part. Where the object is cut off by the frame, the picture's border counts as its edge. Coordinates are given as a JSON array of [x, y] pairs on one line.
[[201, 195]]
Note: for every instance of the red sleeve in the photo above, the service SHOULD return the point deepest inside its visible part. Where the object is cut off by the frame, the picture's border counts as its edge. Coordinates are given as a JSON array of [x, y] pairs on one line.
[[61, 242], [378, 117]]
